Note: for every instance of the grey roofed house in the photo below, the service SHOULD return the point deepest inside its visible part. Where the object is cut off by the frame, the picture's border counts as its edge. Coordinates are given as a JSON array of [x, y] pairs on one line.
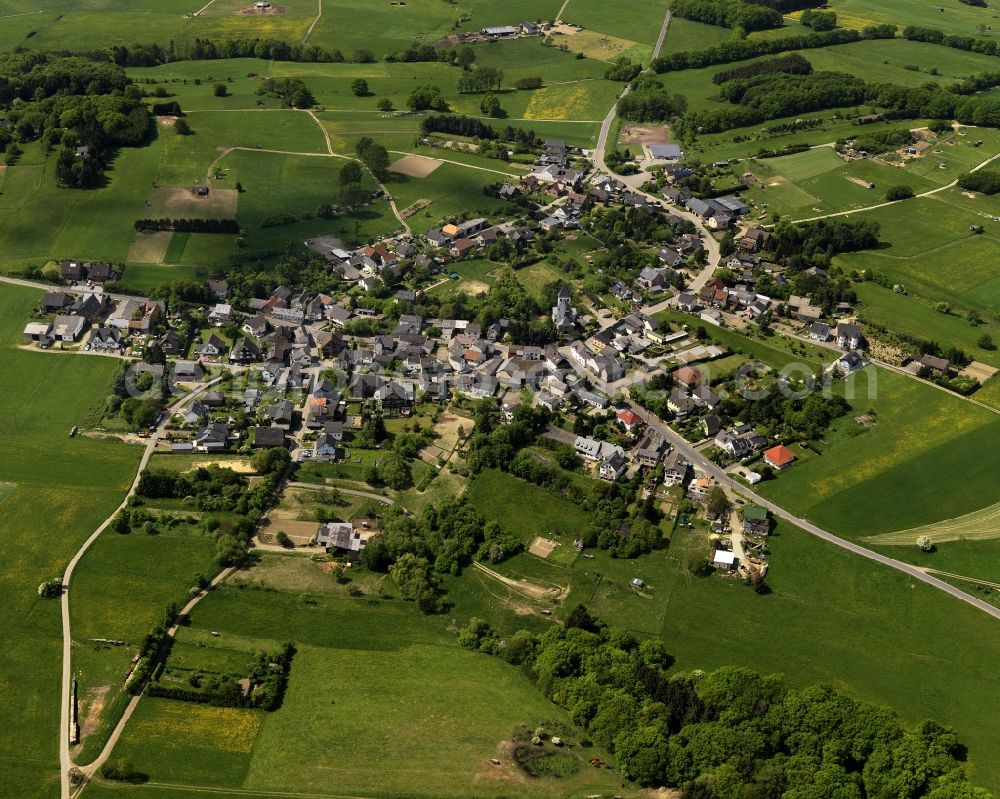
[[325, 446], [671, 258], [848, 336], [53, 301], [337, 314], [213, 345], [675, 468], [105, 339], [67, 328], [666, 152], [733, 204], [687, 301], [268, 437], [282, 413], [699, 207], [819, 331], [188, 370], [850, 362], [244, 351], [212, 437], [170, 343], [256, 325]]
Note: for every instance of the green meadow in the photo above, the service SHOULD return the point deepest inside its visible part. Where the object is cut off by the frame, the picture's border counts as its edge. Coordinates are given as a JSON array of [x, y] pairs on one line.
[[922, 461], [373, 681], [916, 317], [63, 488], [830, 617], [933, 254]]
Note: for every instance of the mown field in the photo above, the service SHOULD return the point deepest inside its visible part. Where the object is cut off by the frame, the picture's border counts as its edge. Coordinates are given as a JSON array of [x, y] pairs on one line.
[[373, 682], [62, 489]]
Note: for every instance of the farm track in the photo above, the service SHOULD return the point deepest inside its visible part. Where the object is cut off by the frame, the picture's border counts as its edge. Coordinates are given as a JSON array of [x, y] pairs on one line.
[[319, 14], [65, 758], [876, 206]]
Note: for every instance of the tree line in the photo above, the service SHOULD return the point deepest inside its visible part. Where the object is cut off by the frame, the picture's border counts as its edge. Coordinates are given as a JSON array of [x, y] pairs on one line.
[[728, 14], [790, 64], [189, 225], [731, 732], [743, 49]]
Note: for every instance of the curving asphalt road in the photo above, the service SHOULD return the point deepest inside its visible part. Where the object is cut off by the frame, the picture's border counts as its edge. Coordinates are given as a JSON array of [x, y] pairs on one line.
[[697, 459]]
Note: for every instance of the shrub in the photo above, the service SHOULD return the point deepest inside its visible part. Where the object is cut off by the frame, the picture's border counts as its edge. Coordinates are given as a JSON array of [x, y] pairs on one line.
[[899, 193]]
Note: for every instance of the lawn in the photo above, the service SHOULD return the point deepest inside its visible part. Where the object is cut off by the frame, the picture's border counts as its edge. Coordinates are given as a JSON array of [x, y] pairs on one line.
[[452, 190], [536, 277], [920, 463], [372, 682], [776, 351], [62, 490], [834, 617]]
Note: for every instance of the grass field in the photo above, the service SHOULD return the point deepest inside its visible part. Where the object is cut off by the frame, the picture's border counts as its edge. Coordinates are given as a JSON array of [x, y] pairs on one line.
[[980, 525], [916, 317], [933, 255], [953, 16], [372, 681], [523, 508], [831, 617], [918, 464], [57, 491]]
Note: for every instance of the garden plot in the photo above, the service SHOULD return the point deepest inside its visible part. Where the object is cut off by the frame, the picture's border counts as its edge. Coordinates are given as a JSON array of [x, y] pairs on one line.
[[415, 166]]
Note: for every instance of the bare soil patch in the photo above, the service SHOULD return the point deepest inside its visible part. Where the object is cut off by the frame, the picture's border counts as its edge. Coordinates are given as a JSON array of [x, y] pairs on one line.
[[415, 166], [93, 704], [287, 521], [166, 121], [241, 466], [474, 287], [524, 587], [542, 547], [413, 208], [169, 201], [979, 371], [149, 247], [637, 134]]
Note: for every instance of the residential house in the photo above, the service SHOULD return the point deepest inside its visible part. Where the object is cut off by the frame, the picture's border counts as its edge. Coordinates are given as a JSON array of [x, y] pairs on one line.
[[819, 331], [221, 314], [848, 336], [613, 467], [212, 347], [212, 437], [779, 457], [171, 344], [218, 288], [675, 468], [55, 301], [755, 520], [105, 339], [268, 437], [325, 447], [244, 351], [38, 331]]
